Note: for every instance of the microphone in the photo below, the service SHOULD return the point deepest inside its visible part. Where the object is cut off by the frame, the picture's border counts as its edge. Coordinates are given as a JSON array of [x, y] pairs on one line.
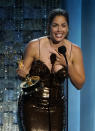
[[62, 50], [53, 58]]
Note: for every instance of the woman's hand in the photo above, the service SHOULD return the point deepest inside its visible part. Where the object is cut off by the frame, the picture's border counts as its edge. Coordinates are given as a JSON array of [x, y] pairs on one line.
[[21, 71], [60, 59]]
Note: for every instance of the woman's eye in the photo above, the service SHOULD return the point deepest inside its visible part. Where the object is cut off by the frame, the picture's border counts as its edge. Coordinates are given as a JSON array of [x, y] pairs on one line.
[[63, 25], [54, 25]]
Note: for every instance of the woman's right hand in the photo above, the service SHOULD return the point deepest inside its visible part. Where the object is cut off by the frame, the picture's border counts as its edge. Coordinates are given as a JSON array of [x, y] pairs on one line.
[[21, 71]]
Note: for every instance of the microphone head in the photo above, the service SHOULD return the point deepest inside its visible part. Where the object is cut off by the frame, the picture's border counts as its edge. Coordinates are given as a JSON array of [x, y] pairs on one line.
[[62, 50], [53, 58]]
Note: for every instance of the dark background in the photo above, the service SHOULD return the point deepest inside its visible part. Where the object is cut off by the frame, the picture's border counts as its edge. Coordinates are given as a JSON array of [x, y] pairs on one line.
[[24, 20]]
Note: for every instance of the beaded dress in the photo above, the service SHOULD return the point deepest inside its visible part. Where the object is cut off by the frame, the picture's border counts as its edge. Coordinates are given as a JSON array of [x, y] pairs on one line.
[[42, 109]]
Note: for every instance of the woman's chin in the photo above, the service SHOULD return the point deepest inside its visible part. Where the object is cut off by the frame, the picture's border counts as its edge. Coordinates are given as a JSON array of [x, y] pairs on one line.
[[59, 40]]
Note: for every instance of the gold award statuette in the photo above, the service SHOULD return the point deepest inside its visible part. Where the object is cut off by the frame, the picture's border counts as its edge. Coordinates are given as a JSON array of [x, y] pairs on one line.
[[32, 80], [20, 63]]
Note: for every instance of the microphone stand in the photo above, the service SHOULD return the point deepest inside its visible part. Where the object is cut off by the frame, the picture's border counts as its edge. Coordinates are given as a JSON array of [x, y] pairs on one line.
[[53, 59], [66, 93], [49, 114], [62, 50]]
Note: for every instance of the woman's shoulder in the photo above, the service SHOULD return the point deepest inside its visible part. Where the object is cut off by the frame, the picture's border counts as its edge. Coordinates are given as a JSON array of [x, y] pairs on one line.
[[74, 46], [74, 49], [35, 42]]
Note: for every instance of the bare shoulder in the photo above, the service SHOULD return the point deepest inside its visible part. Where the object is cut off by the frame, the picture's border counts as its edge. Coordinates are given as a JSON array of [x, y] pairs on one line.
[[76, 53], [75, 48], [44, 40], [32, 43], [32, 48], [35, 42]]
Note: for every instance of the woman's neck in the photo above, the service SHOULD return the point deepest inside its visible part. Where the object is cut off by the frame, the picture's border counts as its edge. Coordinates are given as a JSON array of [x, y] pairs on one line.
[[56, 44]]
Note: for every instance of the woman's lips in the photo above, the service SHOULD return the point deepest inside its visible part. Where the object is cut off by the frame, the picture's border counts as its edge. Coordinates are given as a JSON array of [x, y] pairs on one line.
[[59, 35]]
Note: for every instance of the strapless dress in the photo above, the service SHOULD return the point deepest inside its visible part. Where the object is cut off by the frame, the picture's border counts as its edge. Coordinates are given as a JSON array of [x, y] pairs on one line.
[[43, 108]]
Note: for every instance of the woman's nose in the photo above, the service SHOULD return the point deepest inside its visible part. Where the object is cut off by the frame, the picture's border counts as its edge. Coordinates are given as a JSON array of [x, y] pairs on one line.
[[59, 28]]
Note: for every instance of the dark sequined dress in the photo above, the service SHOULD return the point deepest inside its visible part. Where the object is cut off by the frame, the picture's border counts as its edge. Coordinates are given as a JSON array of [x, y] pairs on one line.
[[43, 108]]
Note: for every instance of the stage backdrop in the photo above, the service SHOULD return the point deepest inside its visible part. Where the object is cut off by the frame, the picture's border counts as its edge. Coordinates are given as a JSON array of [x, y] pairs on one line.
[[82, 33], [87, 96]]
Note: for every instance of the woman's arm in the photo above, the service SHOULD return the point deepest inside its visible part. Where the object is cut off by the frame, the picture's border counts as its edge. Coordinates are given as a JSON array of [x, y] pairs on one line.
[[25, 66], [76, 68]]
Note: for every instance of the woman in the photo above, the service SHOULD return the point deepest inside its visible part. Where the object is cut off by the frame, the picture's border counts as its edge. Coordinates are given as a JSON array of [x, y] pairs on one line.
[[43, 108]]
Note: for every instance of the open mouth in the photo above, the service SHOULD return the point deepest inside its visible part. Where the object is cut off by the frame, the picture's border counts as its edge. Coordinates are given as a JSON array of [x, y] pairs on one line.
[[59, 35]]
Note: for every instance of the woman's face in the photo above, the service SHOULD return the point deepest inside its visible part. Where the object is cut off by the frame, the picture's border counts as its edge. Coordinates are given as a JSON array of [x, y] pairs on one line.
[[59, 29]]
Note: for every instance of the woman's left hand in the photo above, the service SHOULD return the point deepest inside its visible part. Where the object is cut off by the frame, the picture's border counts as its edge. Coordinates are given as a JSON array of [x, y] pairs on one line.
[[60, 59]]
